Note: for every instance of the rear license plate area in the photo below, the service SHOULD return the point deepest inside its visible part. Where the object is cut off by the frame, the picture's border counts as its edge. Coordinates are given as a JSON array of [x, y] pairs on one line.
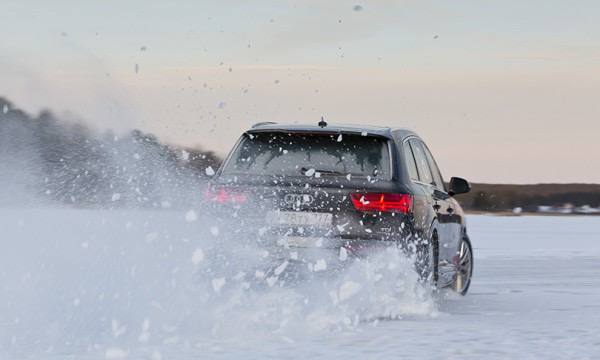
[[300, 219]]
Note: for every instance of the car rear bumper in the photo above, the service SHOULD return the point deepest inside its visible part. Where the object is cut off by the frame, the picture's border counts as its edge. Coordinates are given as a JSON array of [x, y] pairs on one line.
[[316, 247]]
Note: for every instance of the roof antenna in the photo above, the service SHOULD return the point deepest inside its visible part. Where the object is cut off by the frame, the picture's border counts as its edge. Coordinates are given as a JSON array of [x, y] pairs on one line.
[[322, 123]]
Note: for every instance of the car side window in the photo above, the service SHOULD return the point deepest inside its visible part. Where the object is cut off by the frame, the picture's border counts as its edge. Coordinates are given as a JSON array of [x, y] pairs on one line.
[[425, 175], [410, 162], [437, 176]]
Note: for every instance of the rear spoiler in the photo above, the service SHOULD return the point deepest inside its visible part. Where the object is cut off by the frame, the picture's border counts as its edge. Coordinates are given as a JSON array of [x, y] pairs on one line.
[[317, 132], [263, 123]]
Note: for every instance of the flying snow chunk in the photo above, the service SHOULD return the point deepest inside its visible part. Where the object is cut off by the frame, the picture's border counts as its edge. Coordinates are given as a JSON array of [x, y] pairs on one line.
[[191, 216], [320, 265], [349, 177], [150, 237], [310, 172], [117, 329], [115, 353], [116, 197], [197, 256], [5, 109], [278, 270], [209, 171], [364, 133], [214, 230], [218, 284], [145, 334], [348, 289], [185, 155], [343, 254], [239, 276], [339, 138], [271, 281]]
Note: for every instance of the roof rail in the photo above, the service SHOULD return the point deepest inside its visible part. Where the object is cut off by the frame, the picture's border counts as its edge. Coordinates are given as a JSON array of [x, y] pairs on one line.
[[263, 123]]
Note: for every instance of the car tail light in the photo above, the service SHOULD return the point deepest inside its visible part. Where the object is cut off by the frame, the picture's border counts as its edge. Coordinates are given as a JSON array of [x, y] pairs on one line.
[[385, 202], [223, 196]]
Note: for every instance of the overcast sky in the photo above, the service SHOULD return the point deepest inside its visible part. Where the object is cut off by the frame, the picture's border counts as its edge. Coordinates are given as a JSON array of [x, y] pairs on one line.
[[502, 91]]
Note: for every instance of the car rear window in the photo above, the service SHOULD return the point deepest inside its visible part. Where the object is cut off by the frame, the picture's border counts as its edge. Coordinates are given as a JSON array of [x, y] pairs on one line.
[[282, 154]]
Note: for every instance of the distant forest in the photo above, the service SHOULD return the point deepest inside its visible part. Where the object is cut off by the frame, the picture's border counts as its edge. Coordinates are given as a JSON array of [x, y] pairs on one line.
[[501, 197], [44, 157]]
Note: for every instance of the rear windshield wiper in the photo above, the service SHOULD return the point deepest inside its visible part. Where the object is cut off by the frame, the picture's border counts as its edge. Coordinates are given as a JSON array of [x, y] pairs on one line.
[[304, 170]]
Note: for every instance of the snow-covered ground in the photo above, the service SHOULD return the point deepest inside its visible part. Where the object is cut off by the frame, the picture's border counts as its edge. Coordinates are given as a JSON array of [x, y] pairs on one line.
[[164, 285]]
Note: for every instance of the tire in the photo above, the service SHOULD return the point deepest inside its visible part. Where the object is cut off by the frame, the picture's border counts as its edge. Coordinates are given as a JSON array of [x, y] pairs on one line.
[[464, 267], [427, 261]]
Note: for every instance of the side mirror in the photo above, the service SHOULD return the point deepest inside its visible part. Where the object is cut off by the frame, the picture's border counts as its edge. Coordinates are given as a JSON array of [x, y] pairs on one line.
[[459, 186]]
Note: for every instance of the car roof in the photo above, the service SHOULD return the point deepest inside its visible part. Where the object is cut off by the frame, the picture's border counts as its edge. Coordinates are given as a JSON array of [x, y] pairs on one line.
[[382, 131]]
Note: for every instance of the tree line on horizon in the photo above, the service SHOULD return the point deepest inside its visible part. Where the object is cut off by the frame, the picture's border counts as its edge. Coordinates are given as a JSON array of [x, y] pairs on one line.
[[48, 159], [44, 157], [502, 197]]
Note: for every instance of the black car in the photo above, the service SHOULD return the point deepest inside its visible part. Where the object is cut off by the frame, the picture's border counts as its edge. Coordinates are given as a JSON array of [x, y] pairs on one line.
[[346, 187]]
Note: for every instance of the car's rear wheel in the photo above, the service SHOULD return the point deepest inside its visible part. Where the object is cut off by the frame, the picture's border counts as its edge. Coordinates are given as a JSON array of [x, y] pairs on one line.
[[426, 263], [464, 267]]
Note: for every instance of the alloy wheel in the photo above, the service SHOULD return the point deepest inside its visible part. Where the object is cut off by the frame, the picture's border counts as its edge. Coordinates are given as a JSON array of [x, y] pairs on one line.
[[464, 268]]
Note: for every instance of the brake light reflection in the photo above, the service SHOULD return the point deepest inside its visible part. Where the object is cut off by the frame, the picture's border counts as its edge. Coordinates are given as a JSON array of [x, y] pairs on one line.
[[222, 196]]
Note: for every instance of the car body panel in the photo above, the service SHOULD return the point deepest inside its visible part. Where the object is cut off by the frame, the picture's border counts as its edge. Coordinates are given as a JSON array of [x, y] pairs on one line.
[[434, 212]]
